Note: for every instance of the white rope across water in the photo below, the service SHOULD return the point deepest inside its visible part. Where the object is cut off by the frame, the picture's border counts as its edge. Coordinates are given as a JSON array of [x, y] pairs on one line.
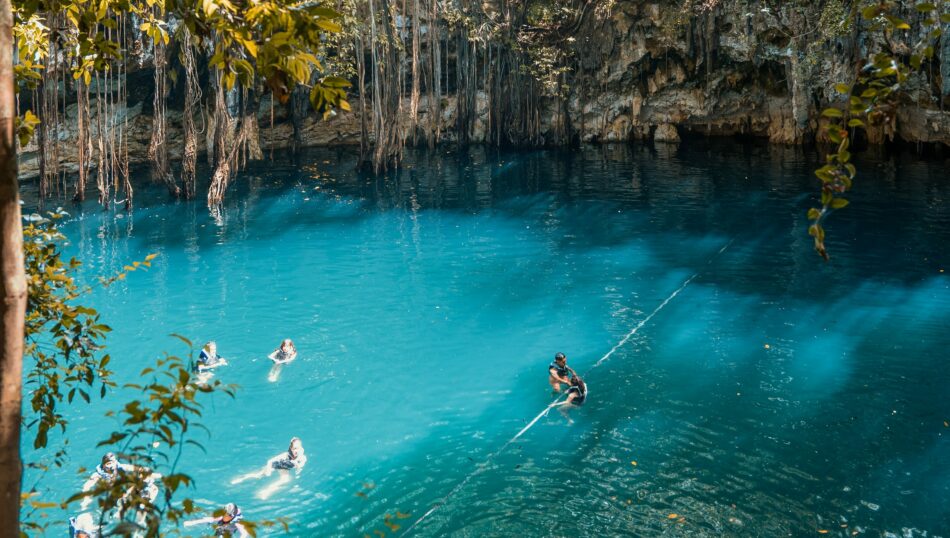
[[558, 401]]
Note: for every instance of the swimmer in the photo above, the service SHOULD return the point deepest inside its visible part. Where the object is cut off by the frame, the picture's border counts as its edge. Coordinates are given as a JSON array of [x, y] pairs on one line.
[[293, 459], [209, 359], [286, 353], [228, 524], [559, 372], [106, 473], [576, 395]]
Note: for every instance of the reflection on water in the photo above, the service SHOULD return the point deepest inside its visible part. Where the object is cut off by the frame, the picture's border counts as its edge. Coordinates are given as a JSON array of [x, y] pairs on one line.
[[775, 395]]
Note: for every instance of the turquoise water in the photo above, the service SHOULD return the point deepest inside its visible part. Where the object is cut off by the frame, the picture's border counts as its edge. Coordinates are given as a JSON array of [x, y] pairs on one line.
[[774, 394]]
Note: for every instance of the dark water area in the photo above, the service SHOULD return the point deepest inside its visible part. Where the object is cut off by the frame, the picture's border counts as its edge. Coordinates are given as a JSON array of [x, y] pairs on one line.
[[758, 390]]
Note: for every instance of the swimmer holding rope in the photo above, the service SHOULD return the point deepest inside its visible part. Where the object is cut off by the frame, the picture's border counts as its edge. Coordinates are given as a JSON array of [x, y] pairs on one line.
[[293, 459], [558, 372]]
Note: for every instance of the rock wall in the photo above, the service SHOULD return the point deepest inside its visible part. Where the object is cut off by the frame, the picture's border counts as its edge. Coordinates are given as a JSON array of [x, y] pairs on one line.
[[658, 70], [764, 69]]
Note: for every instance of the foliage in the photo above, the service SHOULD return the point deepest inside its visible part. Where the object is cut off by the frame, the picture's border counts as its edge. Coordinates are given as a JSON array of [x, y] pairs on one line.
[[66, 359], [154, 430], [872, 99], [278, 41], [63, 338]]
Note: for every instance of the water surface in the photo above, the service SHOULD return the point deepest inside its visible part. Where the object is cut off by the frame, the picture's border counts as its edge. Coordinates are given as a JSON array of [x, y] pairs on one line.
[[774, 395]]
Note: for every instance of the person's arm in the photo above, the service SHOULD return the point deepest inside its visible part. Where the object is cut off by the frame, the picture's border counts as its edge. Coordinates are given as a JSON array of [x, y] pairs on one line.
[[553, 373], [273, 355], [202, 521], [301, 461], [241, 531], [87, 486]]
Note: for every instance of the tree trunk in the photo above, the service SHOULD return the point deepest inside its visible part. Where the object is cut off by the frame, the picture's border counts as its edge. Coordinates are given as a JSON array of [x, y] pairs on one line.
[[13, 282], [250, 130]]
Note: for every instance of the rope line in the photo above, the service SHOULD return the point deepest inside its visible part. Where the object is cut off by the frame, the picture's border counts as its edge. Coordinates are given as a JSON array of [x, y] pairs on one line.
[[484, 465]]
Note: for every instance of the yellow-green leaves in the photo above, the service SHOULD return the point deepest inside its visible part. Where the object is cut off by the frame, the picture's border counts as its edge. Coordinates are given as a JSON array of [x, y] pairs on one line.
[[872, 100], [329, 94], [25, 126]]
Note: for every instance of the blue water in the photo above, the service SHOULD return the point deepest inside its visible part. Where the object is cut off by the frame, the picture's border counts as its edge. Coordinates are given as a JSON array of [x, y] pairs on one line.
[[775, 394]]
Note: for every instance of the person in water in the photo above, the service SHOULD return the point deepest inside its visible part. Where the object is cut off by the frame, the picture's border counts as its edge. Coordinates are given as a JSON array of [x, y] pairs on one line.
[[559, 372], [228, 524], [577, 392], [294, 459], [285, 353], [576, 395], [108, 471], [209, 359]]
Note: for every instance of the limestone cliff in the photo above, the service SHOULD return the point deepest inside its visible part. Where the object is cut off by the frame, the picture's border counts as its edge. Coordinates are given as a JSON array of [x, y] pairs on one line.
[[653, 70]]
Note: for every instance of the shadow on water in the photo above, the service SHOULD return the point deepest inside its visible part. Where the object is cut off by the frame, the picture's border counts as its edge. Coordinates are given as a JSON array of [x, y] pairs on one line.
[[665, 434]]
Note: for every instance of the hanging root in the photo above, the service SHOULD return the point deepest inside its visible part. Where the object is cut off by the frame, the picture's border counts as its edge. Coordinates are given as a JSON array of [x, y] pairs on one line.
[[158, 146]]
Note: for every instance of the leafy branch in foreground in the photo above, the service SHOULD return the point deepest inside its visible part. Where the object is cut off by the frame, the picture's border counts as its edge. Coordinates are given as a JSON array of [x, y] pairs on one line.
[[873, 99], [154, 430], [62, 338]]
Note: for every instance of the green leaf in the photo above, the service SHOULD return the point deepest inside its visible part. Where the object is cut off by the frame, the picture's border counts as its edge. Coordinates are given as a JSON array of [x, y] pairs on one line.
[[838, 203], [854, 122], [897, 22], [336, 82], [870, 12], [843, 89], [832, 113], [329, 26], [925, 7], [813, 214]]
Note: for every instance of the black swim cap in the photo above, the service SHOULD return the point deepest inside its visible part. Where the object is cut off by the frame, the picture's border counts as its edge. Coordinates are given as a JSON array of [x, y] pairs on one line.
[[560, 356]]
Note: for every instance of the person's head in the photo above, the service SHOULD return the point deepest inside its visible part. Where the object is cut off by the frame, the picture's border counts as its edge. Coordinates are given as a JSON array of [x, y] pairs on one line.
[[287, 344], [576, 381], [296, 447], [211, 347], [231, 511], [109, 462], [561, 359]]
